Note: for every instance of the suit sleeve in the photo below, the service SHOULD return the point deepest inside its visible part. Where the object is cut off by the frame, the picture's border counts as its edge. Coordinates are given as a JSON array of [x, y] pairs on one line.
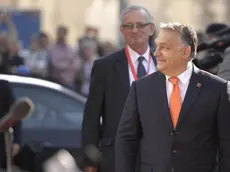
[[128, 135], [93, 108], [10, 99], [223, 125]]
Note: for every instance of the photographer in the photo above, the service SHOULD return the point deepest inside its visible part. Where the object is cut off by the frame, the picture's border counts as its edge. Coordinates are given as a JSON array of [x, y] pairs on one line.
[[211, 50], [9, 46], [224, 67], [209, 60], [5, 19]]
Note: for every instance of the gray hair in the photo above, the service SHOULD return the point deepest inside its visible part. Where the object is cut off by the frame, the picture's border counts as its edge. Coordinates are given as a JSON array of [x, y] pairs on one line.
[[132, 8], [188, 35]]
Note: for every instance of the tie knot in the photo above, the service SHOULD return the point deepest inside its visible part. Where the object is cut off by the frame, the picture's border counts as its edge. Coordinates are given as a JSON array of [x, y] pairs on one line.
[[140, 59], [174, 80]]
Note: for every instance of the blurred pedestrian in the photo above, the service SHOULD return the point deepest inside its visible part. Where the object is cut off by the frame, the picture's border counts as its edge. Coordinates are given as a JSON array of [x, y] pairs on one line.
[[7, 98], [64, 63]]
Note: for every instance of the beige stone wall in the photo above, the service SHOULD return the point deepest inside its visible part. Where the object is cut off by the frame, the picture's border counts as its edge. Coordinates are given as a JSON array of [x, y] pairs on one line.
[[104, 13], [76, 14], [55, 12], [197, 13]]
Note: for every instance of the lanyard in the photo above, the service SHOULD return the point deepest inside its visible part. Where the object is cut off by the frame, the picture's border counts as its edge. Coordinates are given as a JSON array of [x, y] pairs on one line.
[[131, 64]]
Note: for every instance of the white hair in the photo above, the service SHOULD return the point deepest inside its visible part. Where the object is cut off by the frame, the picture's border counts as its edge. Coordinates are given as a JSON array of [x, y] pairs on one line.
[[131, 8]]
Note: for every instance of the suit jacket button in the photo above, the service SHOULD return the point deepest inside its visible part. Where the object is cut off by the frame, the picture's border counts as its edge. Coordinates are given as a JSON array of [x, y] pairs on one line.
[[173, 170], [174, 151]]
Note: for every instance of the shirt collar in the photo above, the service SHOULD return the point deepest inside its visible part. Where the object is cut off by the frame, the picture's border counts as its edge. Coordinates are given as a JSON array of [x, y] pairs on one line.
[[134, 55], [186, 75]]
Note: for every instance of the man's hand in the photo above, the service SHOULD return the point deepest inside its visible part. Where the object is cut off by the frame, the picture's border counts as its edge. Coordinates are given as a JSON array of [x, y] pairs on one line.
[[90, 169], [15, 149]]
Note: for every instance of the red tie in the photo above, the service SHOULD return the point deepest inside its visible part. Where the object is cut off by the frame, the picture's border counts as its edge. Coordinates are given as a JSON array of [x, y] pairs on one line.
[[175, 100]]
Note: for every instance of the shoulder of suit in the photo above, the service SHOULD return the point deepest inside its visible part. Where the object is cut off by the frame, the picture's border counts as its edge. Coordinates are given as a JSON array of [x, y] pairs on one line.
[[150, 78], [211, 78], [110, 58]]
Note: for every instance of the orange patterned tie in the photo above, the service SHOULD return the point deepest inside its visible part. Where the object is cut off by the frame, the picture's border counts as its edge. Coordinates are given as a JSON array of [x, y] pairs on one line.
[[175, 100]]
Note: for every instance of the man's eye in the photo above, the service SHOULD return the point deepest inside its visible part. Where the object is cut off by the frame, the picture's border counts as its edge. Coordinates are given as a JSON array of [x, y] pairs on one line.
[[127, 26]]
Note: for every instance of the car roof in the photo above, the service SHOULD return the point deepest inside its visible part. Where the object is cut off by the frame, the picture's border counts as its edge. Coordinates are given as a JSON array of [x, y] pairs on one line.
[[42, 83]]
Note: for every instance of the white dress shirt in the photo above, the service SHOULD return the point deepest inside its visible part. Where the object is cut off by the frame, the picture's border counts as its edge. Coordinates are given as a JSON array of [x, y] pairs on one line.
[[134, 58], [183, 83]]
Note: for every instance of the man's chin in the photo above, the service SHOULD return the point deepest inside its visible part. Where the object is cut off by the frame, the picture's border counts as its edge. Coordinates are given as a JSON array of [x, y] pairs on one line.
[[160, 68], [137, 42]]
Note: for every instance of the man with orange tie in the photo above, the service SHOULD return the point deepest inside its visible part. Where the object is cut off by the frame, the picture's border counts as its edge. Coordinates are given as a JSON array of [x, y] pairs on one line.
[[178, 118]]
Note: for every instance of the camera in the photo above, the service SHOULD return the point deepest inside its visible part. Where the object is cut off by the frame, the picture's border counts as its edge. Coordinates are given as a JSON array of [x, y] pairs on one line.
[[210, 51], [220, 42]]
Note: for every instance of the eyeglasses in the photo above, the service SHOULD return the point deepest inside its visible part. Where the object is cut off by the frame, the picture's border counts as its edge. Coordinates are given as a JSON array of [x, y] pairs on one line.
[[138, 25]]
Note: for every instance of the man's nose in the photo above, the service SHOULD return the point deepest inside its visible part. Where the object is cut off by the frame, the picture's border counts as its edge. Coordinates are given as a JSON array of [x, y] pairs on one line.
[[157, 52], [134, 28]]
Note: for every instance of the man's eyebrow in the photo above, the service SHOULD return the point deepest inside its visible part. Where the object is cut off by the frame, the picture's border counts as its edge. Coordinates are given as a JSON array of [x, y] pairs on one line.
[[161, 43]]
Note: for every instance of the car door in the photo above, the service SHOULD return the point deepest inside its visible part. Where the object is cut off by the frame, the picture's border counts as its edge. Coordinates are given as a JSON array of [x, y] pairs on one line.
[[56, 120]]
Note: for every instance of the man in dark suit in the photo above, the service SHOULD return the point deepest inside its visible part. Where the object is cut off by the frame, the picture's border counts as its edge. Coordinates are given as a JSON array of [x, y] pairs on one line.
[[177, 119], [6, 100], [111, 78]]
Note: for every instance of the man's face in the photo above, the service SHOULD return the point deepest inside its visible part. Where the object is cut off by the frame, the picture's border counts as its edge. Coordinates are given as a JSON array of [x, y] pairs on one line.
[[34, 44], [44, 41], [61, 33], [171, 54], [136, 29]]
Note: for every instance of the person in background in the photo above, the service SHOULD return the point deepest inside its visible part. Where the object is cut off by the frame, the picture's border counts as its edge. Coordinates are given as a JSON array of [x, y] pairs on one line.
[[89, 55], [36, 58], [64, 63], [7, 98], [9, 47], [15, 60], [110, 83]]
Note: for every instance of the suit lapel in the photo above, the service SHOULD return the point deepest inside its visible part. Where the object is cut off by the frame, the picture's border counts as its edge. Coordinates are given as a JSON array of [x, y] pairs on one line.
[[121, 66], [194, 88], [160, 88]]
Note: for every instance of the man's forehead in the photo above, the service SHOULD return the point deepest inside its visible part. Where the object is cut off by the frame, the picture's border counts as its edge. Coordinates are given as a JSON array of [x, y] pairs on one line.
[[141, 14], [167, 35]]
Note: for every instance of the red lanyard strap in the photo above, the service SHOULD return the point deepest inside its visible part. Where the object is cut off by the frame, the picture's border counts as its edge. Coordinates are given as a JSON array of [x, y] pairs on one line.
[[131, 64]]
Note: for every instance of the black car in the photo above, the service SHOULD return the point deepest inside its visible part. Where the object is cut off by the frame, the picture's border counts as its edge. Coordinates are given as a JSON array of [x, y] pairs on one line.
[[55, 123]]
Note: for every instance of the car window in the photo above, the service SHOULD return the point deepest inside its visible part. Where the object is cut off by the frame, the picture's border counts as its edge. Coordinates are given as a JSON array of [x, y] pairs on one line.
[[53, 109]]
